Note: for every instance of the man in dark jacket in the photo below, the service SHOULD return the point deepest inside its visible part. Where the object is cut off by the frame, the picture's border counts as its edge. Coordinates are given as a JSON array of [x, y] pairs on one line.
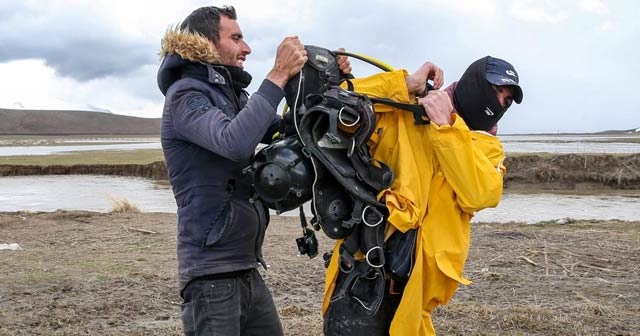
[[210, 130]]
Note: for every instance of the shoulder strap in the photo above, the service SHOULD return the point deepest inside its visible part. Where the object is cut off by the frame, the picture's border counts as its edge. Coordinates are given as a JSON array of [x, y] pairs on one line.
[[419, 114]]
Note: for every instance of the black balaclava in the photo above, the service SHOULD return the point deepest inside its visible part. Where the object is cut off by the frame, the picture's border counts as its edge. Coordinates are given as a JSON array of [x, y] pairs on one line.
[[475, 100]]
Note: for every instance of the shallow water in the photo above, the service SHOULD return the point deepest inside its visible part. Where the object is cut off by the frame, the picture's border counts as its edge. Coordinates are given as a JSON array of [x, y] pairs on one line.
[[559, 144], [82, 192], [48, 150], [95, 193], [565, 144]]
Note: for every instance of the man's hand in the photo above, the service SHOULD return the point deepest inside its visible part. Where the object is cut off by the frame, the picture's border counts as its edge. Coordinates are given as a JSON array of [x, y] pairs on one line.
[[343, 63], [438, 107], [290, 58], [417, 81]]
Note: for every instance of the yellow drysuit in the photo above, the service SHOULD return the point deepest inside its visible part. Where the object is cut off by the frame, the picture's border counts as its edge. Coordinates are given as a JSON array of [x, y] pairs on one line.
[[443, 174]]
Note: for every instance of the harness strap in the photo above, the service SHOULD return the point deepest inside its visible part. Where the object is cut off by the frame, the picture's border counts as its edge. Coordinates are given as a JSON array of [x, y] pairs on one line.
[[372, 242], [349, 83], [367, 236], [333, 126], [348, 249], [419, 114]]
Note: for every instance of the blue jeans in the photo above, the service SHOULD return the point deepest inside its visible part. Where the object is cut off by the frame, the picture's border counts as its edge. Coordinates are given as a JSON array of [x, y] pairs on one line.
[[239, 305]]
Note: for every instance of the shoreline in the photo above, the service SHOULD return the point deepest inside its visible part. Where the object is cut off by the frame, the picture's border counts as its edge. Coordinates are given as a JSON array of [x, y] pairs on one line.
[[543, 171]]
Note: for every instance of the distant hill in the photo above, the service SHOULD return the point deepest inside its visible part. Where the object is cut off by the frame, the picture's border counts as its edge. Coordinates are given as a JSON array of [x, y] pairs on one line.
[[614, 132], [67, 122], [57, 122]]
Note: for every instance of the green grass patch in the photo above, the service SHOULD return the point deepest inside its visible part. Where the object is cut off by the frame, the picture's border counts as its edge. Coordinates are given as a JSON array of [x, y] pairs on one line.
[[140, 156], [104, 267], [33, 277]]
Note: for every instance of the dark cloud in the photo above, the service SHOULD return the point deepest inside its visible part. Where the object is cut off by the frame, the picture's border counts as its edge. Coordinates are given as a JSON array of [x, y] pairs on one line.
[[82, 58], [75, 42]]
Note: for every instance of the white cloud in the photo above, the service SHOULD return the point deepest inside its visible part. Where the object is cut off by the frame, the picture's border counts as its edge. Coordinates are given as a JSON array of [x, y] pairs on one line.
[[609, 26], [594, 6], [291, 15], [543, 12], [481, 9], [33, 85]]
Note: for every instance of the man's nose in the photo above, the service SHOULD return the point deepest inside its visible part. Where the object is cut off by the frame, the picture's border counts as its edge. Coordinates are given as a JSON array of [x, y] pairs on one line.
[[507, 102], [245, 48]]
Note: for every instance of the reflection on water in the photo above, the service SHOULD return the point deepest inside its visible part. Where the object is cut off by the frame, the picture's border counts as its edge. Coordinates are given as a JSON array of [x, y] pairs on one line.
[[48, 150], [82, 192], [532, 208], [565, 144], [560, 144], [571, 147], [95, 193]]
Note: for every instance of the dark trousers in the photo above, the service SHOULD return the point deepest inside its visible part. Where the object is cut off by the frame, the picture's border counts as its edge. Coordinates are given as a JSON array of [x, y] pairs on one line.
[[239, 305]]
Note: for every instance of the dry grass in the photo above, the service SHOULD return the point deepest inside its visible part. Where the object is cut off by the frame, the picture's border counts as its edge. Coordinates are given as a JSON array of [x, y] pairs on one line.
[[115, 274], [567, 170], [580, 278], [139, 157], [122, 205]]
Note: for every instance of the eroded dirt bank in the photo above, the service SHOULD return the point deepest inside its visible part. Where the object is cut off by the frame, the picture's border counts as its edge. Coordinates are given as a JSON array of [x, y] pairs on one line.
[[568, 171], [156, 170]]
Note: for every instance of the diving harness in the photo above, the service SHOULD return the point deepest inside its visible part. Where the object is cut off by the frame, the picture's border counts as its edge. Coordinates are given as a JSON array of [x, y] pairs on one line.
[[327, 161]]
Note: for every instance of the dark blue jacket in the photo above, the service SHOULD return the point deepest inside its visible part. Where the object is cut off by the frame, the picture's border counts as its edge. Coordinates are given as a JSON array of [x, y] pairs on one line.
[[209, 133]]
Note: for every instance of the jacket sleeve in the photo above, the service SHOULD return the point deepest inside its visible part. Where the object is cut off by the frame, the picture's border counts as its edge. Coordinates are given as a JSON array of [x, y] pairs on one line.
[[472, 163], [197, 120], [272, 131], [383, 85]]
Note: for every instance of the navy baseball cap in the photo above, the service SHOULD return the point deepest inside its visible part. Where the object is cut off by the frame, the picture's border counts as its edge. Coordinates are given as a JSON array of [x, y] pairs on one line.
[[500, 72]]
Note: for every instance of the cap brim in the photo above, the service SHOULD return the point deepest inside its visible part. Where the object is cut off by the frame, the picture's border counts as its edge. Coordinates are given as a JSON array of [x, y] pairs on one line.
[[502, 81], [518, 97]]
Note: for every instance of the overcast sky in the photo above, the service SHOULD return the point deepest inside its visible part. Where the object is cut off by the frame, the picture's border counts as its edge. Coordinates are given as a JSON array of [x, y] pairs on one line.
[[578, 61]]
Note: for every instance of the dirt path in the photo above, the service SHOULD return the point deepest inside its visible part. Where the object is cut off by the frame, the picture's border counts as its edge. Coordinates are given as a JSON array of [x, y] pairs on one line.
[[82, 273]]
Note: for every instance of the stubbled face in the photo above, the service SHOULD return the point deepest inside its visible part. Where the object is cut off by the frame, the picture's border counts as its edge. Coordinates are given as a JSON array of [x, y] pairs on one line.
[[505, 94], [232, 48]]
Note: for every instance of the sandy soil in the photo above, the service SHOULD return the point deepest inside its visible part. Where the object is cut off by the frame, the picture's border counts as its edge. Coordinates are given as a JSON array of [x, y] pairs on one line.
[[82, 273]]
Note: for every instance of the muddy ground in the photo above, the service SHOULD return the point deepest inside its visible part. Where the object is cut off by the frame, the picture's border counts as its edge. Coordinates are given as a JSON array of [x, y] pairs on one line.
[[83, 273]]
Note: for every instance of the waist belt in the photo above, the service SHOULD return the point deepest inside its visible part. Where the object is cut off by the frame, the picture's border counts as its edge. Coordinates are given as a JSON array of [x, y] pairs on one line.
[[226, 275]]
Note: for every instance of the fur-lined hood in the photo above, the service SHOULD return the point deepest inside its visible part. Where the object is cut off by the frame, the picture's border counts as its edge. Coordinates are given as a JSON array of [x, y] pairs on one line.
[[180, 49], [190, 46]]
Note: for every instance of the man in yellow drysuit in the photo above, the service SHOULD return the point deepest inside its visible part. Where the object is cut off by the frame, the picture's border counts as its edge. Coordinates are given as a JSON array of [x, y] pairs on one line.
[[444, 172]]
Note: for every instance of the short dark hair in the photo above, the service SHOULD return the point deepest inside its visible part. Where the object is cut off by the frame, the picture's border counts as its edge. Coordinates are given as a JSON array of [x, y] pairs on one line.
[[206, 21]]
